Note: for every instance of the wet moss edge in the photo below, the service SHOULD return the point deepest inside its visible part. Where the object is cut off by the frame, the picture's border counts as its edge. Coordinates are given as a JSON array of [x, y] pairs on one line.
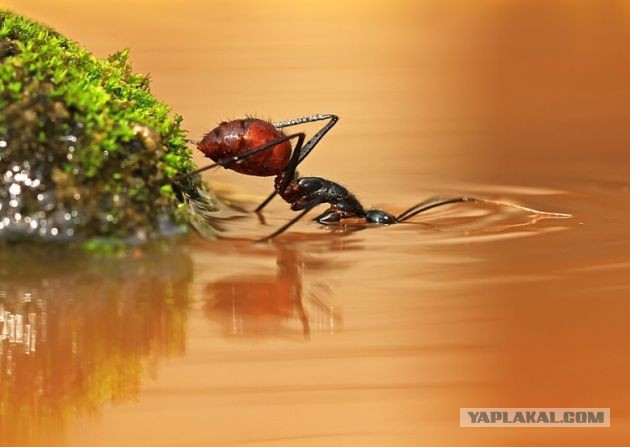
[[102, 144]]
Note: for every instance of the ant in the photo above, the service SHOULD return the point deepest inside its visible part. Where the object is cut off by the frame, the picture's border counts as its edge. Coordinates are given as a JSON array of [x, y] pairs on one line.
[[253, 146]]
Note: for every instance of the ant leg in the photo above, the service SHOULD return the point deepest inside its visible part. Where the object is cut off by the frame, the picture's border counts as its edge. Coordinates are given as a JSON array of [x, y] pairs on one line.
[[228, 161], [265, 202], [310, 144], [413, 211], [308, 147], [299, 154], [286, 226], [306, 327], [328, 217]]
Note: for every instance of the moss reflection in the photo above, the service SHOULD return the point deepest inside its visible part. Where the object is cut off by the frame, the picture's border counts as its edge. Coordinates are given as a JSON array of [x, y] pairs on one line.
[[77, 333]]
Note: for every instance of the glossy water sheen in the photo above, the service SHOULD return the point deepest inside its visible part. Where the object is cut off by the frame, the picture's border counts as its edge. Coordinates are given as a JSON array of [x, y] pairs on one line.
[[372, 337]]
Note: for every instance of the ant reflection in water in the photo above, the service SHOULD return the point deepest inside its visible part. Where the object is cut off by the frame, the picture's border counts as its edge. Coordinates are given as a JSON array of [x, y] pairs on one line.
[[274, 305], [256, 147]]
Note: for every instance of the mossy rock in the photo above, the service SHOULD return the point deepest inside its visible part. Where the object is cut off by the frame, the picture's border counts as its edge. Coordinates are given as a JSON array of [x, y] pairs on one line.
[[86, 151]]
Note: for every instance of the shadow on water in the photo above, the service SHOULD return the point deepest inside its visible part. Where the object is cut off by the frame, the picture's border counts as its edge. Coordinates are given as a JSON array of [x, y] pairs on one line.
[[77, 333]]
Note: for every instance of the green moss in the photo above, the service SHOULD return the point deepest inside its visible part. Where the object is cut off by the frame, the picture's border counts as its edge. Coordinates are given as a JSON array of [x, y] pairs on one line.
[[85, 148]]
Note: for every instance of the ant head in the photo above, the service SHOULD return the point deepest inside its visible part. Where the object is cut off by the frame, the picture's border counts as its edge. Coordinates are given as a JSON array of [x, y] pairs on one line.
[[380, 217]]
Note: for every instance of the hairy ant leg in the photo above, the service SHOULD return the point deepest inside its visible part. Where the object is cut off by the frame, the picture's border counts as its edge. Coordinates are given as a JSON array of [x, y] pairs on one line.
[[307, 149], [289, 224]]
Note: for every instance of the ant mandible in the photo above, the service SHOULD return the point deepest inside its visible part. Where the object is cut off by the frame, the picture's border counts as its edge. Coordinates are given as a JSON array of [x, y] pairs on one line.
[[253, 146]]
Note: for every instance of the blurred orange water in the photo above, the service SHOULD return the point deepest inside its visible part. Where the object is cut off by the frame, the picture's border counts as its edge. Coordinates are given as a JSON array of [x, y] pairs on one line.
[[373, 337]]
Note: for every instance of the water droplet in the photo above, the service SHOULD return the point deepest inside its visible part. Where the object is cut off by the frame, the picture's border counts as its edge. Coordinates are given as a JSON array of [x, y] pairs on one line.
[[14, 189], [67, 216], [54, 231], [3, 143]]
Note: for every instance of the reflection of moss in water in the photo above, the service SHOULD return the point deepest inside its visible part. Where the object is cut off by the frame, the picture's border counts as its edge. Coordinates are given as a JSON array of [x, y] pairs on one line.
[[85, 148], [97, 327]]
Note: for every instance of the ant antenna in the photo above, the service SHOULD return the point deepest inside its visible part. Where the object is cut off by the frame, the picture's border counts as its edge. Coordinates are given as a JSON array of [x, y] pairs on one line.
[[424, 202], [422, 207]]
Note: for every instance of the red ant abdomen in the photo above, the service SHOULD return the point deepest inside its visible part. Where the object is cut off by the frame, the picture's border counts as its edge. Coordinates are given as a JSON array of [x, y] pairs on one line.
[[233, 138]]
